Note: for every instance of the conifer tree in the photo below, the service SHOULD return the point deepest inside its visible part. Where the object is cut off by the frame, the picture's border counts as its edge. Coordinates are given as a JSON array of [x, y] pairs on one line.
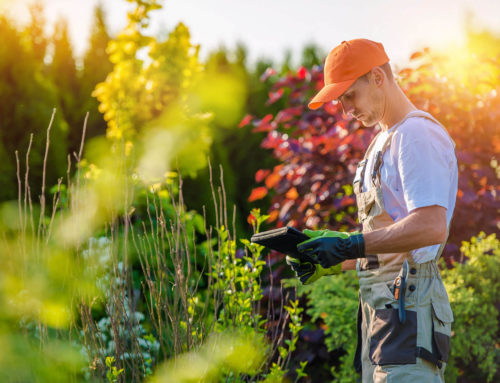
[[27, 99], [36, 33], [63, 73], [96, 66]]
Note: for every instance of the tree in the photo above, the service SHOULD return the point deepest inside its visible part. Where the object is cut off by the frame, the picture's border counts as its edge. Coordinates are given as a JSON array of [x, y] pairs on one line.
[[165, 102], [64, 75], [235, 147], [312, 55], [96, 66], [25, 111], [36, 33]]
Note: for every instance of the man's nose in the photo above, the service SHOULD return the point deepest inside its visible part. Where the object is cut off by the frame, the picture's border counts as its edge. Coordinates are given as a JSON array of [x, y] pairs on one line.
[[347, 107]]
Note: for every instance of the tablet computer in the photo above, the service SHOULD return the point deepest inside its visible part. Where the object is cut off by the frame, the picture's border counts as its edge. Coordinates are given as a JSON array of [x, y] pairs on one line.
[[284, 239]]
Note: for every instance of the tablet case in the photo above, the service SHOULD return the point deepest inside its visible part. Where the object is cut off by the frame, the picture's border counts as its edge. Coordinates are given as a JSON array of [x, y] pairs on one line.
[[284, 240]]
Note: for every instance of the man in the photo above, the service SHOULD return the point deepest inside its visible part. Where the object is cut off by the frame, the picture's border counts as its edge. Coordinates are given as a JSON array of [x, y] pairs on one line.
[[406, 190]]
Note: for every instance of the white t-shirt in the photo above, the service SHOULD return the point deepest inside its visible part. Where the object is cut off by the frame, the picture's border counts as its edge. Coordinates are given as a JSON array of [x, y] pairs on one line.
[[419, 169]]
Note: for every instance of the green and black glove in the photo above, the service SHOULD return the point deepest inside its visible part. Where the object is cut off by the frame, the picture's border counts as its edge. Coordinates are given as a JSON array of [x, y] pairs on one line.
[[329, 250], [309, 272]]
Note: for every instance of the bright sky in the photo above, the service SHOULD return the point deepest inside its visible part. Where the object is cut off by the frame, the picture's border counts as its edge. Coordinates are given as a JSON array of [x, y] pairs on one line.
[[269, 27]]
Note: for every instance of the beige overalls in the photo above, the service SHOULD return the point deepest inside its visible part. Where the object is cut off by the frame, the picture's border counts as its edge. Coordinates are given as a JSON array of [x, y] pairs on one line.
[[389, 351]]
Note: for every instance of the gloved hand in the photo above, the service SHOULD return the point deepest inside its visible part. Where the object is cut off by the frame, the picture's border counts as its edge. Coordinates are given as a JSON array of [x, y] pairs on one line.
[[331, 249], [309, 272]]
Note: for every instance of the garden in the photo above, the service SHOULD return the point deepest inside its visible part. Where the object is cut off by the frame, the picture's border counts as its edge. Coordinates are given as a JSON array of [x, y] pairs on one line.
[[132, 181]]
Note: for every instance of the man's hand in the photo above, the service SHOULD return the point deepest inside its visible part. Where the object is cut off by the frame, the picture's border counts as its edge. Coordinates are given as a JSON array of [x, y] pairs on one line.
[[331, 248], [309, 272]]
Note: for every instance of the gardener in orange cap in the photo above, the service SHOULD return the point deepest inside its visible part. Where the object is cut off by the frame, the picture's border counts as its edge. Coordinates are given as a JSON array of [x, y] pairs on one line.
[[405, 188]]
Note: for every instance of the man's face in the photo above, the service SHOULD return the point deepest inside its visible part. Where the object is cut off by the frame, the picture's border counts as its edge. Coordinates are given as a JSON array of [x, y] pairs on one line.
[[364, 101]]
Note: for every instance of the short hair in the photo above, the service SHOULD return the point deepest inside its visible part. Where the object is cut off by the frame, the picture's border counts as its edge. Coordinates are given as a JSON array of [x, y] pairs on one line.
[[386, 68]]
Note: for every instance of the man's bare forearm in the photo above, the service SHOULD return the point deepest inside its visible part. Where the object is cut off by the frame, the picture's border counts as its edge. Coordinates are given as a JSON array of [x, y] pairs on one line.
[[423, 227]]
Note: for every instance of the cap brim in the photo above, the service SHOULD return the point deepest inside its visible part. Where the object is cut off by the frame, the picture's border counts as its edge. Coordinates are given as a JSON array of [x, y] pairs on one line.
[[329, 93]]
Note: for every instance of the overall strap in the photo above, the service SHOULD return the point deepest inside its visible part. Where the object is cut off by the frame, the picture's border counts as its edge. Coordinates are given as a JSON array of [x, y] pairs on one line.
[[372, 144], [375, 177], [358, 185], [421, 113], [379, 159]]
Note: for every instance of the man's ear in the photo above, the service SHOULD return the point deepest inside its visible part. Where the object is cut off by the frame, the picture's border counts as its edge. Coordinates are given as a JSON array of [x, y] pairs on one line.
[[378, 76]]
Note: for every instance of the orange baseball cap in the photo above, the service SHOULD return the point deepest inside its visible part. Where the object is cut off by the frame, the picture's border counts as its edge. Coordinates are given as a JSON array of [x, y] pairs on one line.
[[345, 64]]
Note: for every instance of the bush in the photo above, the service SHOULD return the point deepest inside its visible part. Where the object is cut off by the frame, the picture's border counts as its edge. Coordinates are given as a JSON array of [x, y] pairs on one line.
[[333, 303], [473, 289]]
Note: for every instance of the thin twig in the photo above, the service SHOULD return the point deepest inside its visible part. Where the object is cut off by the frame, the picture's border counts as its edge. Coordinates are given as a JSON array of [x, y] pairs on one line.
[[20, 210], [54, 209], [82, 142], [224, 201], [19, 187], [26, 185], [41, 225]]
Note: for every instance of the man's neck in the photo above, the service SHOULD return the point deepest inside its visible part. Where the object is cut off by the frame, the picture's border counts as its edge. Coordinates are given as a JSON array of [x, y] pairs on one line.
[[397, 106]]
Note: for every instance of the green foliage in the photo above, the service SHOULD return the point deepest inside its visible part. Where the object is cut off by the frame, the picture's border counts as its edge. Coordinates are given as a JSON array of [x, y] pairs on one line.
[[160, 95], [279, 369], [275, 375], [96, 66], [239, 279], [137, 91], [35, 32], [23, 361], [223, 358], [295, 326], [139, 348], [312, 55], [233, 146], [24, 111], [473, 290], [334, 301], [63, 73], [113, 373]]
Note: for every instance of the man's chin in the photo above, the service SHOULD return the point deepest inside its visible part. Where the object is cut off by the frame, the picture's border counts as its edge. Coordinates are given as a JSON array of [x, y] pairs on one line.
[[367, 123], [364, 123]]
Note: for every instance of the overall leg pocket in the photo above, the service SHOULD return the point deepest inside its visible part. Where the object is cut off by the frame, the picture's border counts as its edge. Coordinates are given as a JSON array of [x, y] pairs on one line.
[[441, 329], [393, 342]]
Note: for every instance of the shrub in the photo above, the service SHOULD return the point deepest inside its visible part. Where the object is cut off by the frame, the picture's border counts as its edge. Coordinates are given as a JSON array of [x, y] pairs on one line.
[[473, 290], [332, 302]]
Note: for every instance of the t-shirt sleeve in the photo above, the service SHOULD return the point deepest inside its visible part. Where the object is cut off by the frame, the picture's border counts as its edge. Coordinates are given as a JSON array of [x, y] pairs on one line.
[[424, 162]]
